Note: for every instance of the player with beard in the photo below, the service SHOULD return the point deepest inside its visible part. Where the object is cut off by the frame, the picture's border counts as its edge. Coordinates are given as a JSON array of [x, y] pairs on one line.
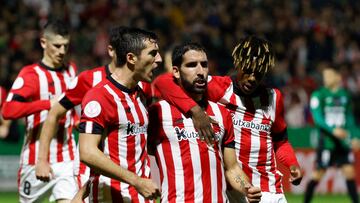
[[257, 113], [190, 170]]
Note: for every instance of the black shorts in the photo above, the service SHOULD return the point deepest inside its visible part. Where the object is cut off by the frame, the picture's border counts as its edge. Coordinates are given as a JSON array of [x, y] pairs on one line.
[[337, 157]]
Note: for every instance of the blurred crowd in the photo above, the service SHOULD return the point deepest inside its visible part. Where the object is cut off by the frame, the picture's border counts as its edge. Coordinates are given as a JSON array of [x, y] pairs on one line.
[[307, 35]]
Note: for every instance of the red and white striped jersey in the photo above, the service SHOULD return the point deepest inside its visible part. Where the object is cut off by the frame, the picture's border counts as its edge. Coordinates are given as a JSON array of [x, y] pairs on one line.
[[258, 123], [30, 96], [255, 118], [73, 97], [75, 94], [119, 115], [190, 170], [81, 84]]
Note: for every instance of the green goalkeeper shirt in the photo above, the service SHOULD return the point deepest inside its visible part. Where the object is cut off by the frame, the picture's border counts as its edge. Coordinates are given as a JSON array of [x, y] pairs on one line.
[[330, 110]]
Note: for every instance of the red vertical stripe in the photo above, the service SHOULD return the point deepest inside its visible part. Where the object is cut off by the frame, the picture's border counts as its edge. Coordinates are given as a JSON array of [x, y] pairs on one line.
[[205, 168], [59, 144], [95, 191], [32, 144], [70, 143], [188, 170]]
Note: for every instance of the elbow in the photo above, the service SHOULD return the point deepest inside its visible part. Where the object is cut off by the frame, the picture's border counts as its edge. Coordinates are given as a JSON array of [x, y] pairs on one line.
[[8, 113]]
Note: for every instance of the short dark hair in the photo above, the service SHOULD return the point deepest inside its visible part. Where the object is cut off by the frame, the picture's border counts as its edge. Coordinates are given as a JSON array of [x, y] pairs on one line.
[[56, 26], [254, 53], [180, 50], [129, 39]]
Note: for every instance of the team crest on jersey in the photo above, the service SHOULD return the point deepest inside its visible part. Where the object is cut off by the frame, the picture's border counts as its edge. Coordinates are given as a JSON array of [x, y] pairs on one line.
[[19, 83], [92, 109]]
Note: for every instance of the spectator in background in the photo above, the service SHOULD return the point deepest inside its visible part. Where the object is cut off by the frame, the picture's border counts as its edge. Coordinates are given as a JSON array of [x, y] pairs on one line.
[[332, 113], [35, 89]]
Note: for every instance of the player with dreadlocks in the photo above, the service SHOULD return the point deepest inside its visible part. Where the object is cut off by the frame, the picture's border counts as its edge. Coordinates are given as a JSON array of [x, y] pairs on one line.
[[257, 113]]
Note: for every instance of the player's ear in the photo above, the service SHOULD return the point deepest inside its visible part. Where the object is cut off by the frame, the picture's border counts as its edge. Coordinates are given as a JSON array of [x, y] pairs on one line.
[[176, 72], [131, 58], [43, 42], [111, 51]]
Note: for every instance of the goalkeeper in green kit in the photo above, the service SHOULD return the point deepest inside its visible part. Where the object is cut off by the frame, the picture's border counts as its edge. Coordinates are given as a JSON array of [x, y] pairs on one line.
[[332, 114]]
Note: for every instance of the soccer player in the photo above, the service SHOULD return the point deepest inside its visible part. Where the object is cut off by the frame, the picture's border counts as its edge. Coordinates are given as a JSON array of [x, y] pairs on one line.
[[332, 114], [68, 100], [32, 94], [257, 113], [114, 117], [190, 170]]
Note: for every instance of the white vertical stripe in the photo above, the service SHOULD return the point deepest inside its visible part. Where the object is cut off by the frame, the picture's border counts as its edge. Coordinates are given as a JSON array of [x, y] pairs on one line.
[[88, 127], [97, 77], [68, 119], [9, 97], [228, 93], [30, 122], [43, 115], [72, 71], [165, 182], [255, 148], [67, 79], [57, 83], [272, 106], [43, 84], [239, 114], [122, 141]]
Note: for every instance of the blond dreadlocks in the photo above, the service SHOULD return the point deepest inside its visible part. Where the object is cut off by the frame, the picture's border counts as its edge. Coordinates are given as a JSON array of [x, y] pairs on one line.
[[254, 53]]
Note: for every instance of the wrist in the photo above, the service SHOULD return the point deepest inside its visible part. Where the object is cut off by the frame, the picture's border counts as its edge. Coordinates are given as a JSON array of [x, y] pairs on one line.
[[195, 110]]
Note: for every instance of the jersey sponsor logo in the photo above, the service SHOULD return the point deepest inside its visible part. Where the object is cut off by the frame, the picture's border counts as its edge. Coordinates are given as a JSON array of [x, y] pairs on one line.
[[73, 83], [92, 109], [183, 134], [135, 129], [19, 83], [252, 125]]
